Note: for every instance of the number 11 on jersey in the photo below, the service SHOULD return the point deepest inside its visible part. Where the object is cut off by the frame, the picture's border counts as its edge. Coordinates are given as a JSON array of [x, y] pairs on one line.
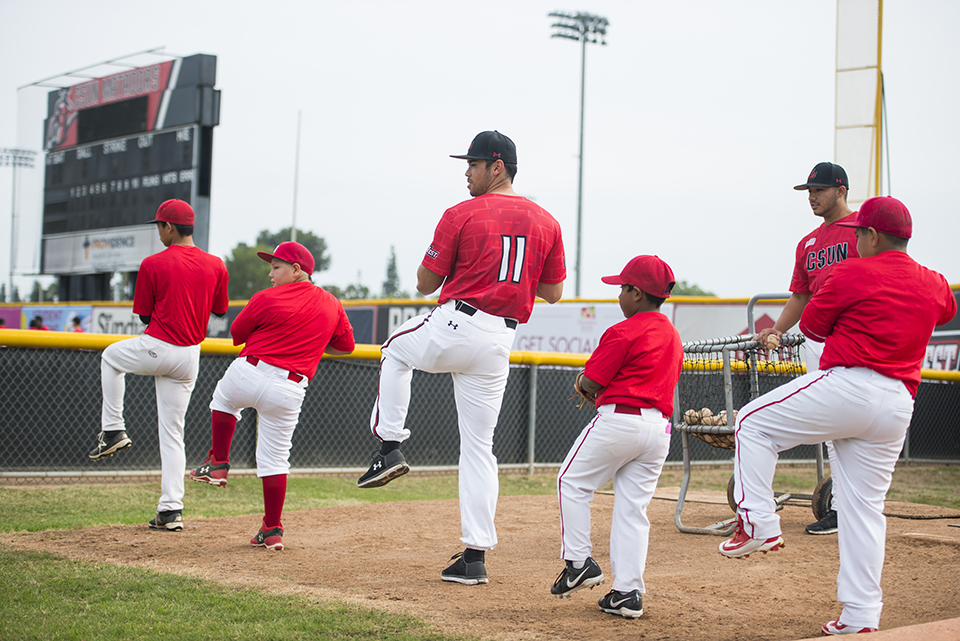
[[514, 271]]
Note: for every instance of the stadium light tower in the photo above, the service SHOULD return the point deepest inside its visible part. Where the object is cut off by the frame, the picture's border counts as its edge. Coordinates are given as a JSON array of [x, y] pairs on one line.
[[15, 158], [583, 27]]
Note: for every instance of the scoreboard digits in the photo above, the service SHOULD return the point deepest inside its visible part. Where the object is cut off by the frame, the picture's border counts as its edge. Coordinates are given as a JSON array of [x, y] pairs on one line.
[[118, 182]]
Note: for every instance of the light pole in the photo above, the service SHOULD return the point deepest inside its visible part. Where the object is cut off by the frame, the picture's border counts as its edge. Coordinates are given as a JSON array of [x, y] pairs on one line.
[[15, 158], [583, 27]]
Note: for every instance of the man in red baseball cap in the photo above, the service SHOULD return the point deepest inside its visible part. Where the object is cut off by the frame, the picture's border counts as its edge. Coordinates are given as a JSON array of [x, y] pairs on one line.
[[177, 290], [874, 316], [631, 376], [816, 255]]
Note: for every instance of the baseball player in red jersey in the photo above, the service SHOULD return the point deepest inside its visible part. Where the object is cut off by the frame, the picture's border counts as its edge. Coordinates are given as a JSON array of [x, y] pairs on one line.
[[177, 289], [287, 329], [493, 254], [875, 316], [817, 253], [633, 373]]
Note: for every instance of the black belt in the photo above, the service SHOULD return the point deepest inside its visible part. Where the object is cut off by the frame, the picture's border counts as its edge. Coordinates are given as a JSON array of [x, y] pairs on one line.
[[461, 306], [293, 376]]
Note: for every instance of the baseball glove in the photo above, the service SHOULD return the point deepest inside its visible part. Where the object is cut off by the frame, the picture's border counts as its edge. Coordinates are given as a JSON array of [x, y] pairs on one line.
[[579, 391]]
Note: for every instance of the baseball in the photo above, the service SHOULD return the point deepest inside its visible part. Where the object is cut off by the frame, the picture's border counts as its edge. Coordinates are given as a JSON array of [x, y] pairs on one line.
[[773, 341], [691, 417], [706, 412]]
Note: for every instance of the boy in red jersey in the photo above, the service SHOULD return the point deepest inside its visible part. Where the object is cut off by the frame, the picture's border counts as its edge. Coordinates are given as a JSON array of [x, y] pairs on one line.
[[875, 316], [632, 374], [817, 254], [493, 254], [177, 289], [286, 330]]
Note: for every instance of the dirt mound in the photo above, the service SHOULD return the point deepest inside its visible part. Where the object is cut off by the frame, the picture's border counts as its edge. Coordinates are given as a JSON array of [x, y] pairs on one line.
[[389, 556]]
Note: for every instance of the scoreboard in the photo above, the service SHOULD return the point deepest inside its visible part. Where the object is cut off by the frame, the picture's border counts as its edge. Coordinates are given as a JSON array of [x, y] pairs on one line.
[[119, 182], [116, 148]]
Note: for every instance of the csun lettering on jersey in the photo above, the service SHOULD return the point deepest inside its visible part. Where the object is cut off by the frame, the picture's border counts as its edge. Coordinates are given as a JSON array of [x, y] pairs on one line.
[[826, 256]]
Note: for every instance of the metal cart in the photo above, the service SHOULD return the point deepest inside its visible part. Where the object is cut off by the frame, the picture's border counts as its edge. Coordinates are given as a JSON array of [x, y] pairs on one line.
[[723, 375]]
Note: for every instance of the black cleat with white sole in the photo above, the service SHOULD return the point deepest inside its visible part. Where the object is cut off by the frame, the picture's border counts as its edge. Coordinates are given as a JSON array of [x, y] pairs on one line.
[[172, 521], [108, 444], [626, 604], [385, 468], [572, 579]]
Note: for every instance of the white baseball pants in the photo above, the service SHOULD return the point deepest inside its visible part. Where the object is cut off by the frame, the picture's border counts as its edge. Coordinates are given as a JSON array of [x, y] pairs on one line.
[[812, 352], [631, 450], [866, 415], [476, 351], [277, 400], [174, 368]]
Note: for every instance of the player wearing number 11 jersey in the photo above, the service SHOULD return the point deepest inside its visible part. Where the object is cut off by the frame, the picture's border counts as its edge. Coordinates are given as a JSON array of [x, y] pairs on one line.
[[492, 254]]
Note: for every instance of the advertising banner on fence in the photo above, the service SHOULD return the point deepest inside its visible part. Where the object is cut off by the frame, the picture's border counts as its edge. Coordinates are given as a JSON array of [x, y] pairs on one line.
[[58, 318], [573, 327]]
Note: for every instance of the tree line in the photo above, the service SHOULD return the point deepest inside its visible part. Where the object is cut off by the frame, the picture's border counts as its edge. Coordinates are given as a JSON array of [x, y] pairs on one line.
[[248, 273]]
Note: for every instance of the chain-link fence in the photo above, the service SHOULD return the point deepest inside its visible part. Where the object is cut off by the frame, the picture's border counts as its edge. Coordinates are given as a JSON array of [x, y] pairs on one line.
[[721, 375], [50, 417]]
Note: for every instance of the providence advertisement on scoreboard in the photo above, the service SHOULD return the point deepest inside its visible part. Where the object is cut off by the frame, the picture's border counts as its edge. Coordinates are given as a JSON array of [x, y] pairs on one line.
[[118, 146]]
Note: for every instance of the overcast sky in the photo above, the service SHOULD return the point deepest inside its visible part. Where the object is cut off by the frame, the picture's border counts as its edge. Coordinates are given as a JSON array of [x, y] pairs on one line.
[[700, 118]]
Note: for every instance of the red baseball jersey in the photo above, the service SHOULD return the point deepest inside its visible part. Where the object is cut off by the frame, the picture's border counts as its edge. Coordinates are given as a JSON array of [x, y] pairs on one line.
[[819, 251], [493, 250], [289, 326], [638, 362], [178, 288], [879, 313]]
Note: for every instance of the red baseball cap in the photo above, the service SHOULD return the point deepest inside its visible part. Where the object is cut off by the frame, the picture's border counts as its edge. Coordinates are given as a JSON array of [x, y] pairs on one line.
[[883, 213], [174, 211], [293, 253], [649, 274]]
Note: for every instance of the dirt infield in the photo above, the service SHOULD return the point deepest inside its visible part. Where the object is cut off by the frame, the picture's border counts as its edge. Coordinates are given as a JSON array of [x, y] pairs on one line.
[[389, 556]]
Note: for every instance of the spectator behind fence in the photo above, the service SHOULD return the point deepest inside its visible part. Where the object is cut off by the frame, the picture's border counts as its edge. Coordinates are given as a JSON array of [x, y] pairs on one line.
[[37, 323]]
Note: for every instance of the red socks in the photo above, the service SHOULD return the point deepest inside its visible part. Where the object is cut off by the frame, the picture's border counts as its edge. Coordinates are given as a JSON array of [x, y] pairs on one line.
[[274, 491], [223, 426]]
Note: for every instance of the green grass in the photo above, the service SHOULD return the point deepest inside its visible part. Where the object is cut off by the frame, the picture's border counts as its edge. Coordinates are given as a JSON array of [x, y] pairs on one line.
[[915, 483], [43, 596], [46, 597], [65, 508]]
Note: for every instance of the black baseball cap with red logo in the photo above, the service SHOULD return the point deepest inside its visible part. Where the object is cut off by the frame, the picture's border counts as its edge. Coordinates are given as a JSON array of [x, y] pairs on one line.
[[825, 174], [491, 145]]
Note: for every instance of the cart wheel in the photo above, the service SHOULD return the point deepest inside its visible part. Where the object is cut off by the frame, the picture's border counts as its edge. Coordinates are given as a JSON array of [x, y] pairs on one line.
[[732, 502], [822, 497]]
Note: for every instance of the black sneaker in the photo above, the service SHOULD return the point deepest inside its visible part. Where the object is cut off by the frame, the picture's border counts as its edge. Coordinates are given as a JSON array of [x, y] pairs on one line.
[[571, 579], [826, 525], [466, 573], [108, 444], [172, 521], [626, 604], [384, 469]]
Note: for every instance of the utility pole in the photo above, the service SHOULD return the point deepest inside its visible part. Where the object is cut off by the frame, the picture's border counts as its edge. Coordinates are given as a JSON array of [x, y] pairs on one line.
[[296, 179], [584, 28], [15, 158]]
